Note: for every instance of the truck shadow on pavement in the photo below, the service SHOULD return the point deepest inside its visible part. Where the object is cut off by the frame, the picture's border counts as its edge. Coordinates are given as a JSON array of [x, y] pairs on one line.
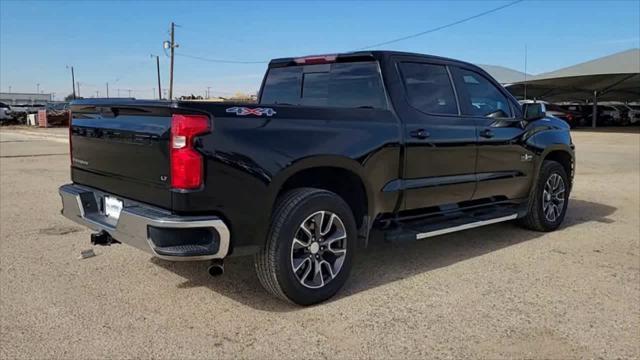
[[381, 263]]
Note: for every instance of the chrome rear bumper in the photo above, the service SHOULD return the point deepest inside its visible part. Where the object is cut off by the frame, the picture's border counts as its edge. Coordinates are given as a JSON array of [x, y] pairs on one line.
[[81, 204]]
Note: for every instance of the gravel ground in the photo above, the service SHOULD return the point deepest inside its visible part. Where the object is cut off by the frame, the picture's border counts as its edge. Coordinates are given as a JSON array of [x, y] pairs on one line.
[[495, 292]]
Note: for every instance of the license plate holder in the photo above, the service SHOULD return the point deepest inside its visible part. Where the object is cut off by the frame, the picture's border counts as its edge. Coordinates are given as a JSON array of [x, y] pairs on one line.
[[112, 207]]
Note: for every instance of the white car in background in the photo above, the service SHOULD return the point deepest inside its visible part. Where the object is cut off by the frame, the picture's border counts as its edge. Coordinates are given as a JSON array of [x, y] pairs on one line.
[[630, 113], [611, 112], [627, 114], [634, 114], [5, 112]]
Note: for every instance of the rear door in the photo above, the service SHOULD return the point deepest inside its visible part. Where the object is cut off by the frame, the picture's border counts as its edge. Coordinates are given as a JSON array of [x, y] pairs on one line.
[[504, 167], [440, 145]]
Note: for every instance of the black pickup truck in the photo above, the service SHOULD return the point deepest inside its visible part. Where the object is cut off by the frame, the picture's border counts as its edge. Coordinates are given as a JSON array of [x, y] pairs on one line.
[[338, 147]]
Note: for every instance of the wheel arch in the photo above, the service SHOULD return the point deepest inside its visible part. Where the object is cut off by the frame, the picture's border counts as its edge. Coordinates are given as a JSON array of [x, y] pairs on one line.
[[563, 154], [563, 157], [340, 175]]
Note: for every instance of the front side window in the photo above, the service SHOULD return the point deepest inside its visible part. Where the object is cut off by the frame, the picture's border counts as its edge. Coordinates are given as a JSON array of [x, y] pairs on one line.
[[346, 85], [429, 88], [479, 96]]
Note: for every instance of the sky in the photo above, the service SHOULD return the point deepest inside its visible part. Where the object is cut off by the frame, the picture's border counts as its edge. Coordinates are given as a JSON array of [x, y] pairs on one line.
[[112, 41]]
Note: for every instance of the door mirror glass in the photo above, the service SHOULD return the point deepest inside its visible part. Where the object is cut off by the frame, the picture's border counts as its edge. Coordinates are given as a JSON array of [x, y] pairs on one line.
[[533, 111]]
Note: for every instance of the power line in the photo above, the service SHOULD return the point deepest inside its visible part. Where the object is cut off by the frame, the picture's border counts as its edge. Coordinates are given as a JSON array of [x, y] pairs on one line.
[[226, 61], [222, 61], [442, 26]]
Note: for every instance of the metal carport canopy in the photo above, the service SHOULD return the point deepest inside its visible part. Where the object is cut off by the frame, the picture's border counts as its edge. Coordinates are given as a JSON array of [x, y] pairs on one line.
[[613, 77]]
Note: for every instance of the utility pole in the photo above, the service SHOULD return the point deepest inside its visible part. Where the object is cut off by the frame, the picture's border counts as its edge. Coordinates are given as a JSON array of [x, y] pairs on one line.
[[78, 84], [38, 88], [97, 93], [107, 90], [172, 52], [208, 88], [171, 45], [158, 69], [73, 82], [129, 92]]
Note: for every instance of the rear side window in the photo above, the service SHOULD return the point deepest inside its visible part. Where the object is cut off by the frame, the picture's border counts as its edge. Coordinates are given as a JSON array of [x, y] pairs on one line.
[[429, 88], [478, 95], [282, 86], [349, 85]]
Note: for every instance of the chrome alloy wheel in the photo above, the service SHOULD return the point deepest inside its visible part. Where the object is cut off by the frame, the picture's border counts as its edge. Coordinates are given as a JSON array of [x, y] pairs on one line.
[[318, 249], [553, 197]]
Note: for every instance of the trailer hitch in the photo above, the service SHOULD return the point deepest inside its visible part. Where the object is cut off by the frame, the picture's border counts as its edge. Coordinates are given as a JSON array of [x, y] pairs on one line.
[[103, 238]]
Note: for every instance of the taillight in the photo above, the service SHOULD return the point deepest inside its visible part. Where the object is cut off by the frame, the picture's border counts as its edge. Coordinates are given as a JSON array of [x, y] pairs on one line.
[[186, 162]]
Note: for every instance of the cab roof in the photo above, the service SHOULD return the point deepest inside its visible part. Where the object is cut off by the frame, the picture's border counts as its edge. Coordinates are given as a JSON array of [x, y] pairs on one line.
[[378, 55]]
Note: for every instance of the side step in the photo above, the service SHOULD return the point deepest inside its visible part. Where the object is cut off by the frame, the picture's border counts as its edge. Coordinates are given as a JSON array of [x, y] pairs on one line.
[[472, 225], [445, 224]]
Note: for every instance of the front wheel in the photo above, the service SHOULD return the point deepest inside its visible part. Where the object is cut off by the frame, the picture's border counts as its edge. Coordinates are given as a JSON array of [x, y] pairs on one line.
[[549, 199], [309, 249]]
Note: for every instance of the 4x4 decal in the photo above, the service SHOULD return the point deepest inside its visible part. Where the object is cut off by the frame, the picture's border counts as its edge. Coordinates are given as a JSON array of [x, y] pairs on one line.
[[242, 111]]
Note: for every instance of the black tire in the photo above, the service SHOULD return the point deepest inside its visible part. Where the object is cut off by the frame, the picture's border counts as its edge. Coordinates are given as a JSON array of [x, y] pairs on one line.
[[273, 263], [536, 218]]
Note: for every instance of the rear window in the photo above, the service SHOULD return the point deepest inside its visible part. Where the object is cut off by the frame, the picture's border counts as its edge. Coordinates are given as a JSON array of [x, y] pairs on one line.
[[348, 85]]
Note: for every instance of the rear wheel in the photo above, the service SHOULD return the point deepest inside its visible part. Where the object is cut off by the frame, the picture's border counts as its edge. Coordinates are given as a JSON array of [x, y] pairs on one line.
[[549, 199], [308, 253]]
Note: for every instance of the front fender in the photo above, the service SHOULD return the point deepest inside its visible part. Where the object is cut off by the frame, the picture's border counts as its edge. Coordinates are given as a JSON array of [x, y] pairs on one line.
[[551, 135]]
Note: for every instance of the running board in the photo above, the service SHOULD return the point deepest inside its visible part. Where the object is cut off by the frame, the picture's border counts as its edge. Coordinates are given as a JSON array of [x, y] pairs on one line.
[[445, 224], [472, 225]]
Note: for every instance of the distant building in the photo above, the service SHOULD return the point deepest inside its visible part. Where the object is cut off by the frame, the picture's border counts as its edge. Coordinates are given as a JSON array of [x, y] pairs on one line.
[[24, 98]]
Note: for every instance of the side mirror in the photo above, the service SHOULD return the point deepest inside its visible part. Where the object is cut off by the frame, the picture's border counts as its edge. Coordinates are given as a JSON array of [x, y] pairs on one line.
[[533, 111]]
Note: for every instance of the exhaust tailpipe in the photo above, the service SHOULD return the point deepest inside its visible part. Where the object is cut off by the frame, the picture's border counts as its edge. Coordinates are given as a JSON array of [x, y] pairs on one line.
[[216, 268]]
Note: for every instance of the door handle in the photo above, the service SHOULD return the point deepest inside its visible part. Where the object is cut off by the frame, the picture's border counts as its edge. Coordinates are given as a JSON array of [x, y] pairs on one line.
[[486, 133], [419, 134]]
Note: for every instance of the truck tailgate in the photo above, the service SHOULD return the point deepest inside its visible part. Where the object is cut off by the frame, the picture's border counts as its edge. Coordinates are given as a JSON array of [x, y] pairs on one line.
[[123, 150]]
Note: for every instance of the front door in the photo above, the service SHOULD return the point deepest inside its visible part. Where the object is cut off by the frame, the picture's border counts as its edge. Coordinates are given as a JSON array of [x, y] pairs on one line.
[[505, 167], [440, 145]]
